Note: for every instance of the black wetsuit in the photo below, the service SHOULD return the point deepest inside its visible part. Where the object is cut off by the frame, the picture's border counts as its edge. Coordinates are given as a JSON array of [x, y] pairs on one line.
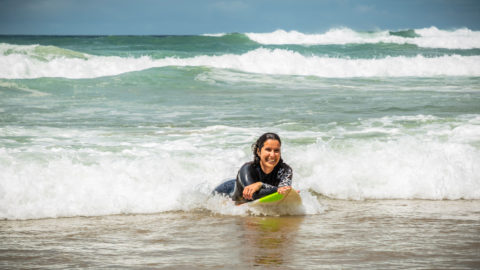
[[250, 173]]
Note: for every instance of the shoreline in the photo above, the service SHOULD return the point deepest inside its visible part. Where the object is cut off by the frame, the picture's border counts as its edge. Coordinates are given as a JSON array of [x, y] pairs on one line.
[[383, 234]]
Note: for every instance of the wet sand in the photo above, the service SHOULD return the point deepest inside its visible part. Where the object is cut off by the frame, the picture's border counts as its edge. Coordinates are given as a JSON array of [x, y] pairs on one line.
[[385, 234]]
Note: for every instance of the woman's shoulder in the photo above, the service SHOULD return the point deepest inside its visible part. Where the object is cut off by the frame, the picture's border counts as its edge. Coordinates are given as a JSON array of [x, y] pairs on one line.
[[284, 171], [247, 165], [284, 166]]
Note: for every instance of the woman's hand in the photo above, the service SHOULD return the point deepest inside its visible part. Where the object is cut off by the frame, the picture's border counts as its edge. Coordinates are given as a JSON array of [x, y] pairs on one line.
[[284, 190], [250, 189]]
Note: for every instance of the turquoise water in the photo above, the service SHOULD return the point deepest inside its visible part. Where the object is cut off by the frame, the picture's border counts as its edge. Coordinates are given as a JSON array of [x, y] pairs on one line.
[[99, 125]]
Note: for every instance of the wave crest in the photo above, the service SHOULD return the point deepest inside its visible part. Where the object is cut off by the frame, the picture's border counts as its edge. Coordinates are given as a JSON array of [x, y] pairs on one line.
[[261, 61], [426, 37]]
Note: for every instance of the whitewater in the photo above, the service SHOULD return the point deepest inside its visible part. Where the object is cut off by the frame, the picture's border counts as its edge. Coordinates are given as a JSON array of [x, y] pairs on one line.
[[102, 125], [262, 61], [426, 37], [36, 61]]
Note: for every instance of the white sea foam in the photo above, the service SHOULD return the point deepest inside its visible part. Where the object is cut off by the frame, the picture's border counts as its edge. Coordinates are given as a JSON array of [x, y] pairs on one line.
[[428, 37], [285, 62], [33, 61], [459, 39], [214, 35], [333, 36], [49, 178], [27, 64], [413, 164], [405, 169]]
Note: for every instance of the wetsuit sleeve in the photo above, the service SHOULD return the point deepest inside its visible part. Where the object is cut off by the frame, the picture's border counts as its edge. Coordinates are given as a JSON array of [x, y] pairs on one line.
[[244, 178], [285, 175], [264, 191], [265, 185]]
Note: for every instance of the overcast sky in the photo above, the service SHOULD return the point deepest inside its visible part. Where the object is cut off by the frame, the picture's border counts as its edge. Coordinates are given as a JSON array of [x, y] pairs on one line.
[[157, 17]]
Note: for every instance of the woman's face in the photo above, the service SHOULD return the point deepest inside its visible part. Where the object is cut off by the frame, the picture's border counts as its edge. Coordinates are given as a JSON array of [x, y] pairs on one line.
[[269, 155]]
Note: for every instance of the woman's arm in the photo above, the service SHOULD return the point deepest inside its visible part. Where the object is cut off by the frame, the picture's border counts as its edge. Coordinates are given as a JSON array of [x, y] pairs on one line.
[[249, 190], [244, 180]]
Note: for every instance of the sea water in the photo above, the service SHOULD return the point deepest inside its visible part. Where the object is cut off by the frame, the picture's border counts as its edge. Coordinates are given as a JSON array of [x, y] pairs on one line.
[[92, 126]]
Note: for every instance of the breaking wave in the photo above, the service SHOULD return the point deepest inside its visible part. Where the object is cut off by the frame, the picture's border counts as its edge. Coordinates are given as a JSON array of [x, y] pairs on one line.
[[426, 37], [36, 61]]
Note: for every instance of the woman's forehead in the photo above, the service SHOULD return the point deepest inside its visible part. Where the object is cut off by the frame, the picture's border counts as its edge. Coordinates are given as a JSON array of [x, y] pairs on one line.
[[272, 143]]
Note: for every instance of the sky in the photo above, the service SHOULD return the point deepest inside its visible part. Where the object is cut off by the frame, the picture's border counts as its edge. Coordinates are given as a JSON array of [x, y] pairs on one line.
[[183, 17]]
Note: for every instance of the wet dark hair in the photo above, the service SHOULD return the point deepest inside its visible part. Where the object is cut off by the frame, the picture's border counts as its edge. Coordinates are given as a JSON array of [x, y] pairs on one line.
[[259, 144]]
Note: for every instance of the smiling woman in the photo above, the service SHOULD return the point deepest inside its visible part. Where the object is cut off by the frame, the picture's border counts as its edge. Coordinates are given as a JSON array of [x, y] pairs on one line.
[[266, 174]]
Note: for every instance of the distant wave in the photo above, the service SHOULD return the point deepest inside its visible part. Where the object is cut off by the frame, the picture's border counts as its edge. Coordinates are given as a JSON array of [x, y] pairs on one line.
[[215, 35], [426, 37], [35, 61]]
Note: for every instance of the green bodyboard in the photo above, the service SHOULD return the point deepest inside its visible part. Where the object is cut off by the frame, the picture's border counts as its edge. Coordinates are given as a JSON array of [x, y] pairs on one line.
[[291, 198], [271, 198]]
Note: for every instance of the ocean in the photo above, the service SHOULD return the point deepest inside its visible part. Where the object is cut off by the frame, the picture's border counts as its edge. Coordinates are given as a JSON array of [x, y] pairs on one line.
[[110, 147]]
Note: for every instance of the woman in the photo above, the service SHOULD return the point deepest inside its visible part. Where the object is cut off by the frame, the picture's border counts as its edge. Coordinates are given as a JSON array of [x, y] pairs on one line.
[[266, 174]]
